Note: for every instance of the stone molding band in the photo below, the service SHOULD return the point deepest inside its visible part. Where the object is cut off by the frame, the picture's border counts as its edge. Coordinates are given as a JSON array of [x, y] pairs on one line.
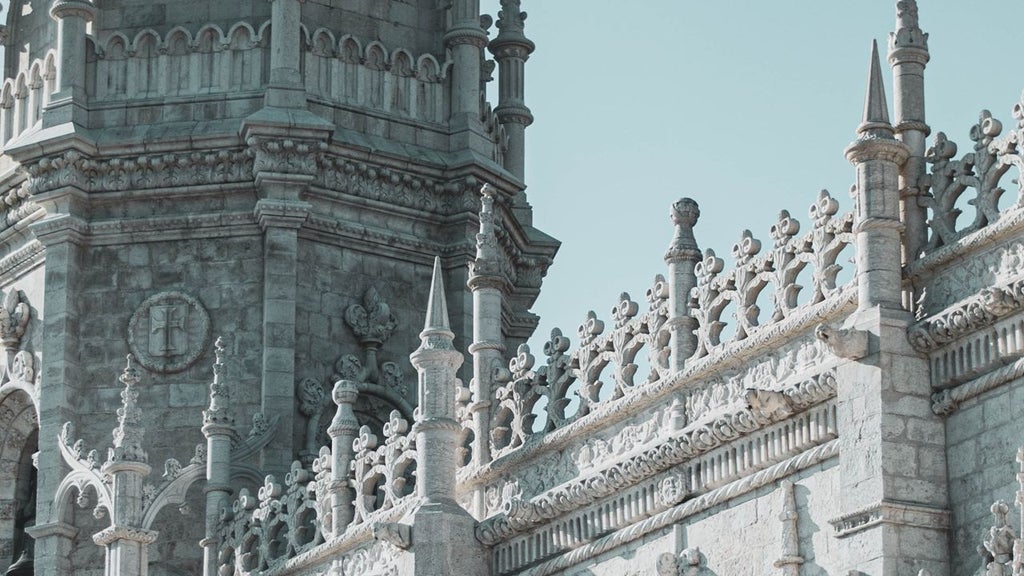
[[946, 402], [689, 508]]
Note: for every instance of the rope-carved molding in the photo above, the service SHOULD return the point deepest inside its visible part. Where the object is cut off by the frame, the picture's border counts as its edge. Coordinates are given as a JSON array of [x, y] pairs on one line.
[[761, 408], [979, 311]]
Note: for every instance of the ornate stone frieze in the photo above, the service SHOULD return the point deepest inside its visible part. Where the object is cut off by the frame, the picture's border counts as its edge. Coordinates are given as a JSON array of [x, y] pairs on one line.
[[22, 259], [764, 408], [397, 187], [702, 502], [972, 314], [285, 156], [168, 332], [167, 170]]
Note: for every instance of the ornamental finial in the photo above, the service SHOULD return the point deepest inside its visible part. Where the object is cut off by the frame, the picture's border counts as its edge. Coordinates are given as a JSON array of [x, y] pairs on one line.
[[220, 392], [511, 19], [129, 432], [908, 32], [684, 213]]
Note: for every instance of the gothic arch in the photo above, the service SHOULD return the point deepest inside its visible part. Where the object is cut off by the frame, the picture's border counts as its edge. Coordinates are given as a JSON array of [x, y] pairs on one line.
[[19, 441]]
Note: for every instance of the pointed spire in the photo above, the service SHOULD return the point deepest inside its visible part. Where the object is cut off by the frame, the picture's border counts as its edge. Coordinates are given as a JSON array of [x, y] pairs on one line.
[[437, 307], [876, 111]]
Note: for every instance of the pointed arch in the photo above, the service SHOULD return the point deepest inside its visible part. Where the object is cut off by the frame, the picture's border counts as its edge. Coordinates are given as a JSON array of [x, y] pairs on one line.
[[19, 441]]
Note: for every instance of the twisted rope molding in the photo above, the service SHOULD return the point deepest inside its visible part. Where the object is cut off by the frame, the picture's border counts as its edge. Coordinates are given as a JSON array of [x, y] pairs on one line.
[[688, 508], [645, 396], [946, 402]]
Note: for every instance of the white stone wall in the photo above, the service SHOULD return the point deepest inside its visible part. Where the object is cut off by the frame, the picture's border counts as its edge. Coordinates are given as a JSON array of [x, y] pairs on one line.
[[983, 437]]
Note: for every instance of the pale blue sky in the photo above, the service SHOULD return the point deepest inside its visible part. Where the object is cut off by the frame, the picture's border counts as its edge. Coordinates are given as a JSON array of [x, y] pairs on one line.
[[744, 106]]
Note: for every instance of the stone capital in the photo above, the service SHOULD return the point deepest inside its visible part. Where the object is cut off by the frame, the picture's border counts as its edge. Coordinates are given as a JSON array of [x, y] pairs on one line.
[[115, 533], [83, 9]]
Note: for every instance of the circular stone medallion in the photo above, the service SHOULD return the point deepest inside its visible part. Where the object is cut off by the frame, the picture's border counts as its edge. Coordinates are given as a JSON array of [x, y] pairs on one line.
[[168, 332]]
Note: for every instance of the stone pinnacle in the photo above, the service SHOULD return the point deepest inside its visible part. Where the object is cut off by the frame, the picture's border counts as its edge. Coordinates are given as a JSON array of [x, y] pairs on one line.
[[876, 112], [437, 307]]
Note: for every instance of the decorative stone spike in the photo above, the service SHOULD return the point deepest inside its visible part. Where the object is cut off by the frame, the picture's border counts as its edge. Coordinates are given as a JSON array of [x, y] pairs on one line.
[[791, 559], [876, 111], [220, 392]]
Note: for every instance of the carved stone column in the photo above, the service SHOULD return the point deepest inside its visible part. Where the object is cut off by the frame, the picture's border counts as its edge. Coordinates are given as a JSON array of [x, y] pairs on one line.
[[219, 429], [487, 284], [67, 104], [443, 537], [892, 447], [908, 55], [682, 258], [511, 49], [343, 431]]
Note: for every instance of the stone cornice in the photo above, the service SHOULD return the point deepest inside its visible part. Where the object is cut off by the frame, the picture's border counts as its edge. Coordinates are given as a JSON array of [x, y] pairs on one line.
[[692, 441], [971, 314], [947, 401], [114, 533], [890, 512], [687, 509], [29, 255]]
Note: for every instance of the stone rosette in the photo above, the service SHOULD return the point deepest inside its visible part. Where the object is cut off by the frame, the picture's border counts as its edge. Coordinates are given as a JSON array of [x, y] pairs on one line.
[[168, 332]]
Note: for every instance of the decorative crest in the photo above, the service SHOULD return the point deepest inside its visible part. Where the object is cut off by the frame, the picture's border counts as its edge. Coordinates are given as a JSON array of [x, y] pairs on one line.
[[372, 321]]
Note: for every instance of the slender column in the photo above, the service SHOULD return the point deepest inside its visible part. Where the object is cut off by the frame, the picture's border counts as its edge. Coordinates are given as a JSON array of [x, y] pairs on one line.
[[343, 431], [908, 55], [488, 347], [465, 38], [286, 89], [219, 429], [68, 102], [682, 258], [511, 50]]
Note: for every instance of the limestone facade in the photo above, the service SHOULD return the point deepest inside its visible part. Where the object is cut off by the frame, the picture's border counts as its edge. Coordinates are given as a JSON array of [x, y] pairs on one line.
[[246, 208]]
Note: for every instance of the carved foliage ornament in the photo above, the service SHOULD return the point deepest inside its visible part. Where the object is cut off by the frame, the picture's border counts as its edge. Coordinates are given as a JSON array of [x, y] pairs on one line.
[[168, 332]]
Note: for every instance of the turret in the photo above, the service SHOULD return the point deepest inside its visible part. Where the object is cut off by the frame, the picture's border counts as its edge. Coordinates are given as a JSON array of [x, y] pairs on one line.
[[878, 157], [511, 50], [908, 55]]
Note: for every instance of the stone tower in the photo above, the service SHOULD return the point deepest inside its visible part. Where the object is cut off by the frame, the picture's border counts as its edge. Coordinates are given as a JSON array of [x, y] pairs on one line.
[[279, 173]]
